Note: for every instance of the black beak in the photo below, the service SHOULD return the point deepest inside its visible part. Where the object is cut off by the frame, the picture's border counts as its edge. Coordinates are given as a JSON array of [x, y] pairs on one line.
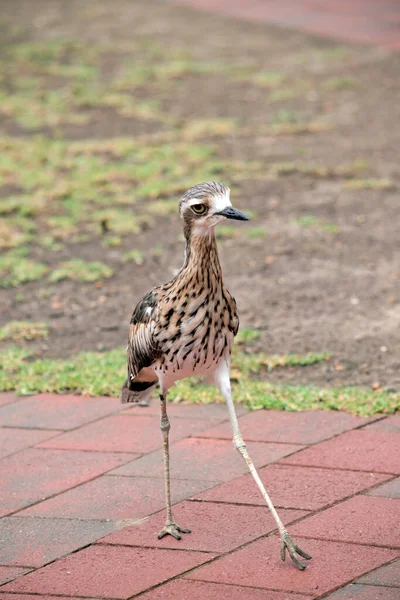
[[233, 213]]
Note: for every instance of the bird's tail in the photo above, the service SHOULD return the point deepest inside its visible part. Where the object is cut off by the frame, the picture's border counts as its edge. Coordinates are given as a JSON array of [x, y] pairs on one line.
[[137, 390]]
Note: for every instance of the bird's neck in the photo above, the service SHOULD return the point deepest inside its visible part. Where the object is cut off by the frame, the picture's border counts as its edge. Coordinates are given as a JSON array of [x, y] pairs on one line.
[[201, 257]]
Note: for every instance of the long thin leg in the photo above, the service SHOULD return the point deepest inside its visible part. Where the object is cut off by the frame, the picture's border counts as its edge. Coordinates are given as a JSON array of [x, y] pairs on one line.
[[171, 528], [222, 380]]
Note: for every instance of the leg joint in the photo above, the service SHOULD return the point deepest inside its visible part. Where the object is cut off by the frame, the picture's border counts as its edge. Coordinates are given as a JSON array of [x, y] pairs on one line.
[[165, 424], [239, 443]]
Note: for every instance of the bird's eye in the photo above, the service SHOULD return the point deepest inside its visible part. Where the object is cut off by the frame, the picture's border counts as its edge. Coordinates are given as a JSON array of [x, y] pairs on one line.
[[199, 209]]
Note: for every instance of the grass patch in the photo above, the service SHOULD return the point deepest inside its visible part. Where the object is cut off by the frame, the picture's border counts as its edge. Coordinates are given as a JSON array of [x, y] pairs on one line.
[[112, 241], [255, 232], [246, 336], [312, 222], [347, 171], [80, 270], [246, 364], [257, 395], [331, 54], [289, 126], [198, 128], [283, 94], [266, 79], [88, 188], [98, 374], [225, 232], [370, 184], [135, 256], [17, 331], [340, 83], [16, 270], [283, 115]]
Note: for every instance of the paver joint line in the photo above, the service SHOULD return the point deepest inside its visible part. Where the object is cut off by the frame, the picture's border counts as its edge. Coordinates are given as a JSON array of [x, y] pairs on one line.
[[333, 468], [351, 543]]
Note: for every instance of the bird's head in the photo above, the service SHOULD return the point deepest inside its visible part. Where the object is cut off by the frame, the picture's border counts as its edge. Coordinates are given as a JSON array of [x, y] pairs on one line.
[[205, 205]]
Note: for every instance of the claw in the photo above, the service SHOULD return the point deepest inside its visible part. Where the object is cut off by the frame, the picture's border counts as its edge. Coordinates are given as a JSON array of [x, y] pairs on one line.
[[293, 549], [172, 529]]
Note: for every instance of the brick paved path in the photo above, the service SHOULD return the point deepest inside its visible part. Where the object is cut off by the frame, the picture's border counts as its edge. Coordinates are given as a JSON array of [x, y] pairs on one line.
[[82, 499], [360, 21]]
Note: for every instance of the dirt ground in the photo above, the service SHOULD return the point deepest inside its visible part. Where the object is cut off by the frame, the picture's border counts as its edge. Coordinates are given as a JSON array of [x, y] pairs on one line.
[[318, 267]]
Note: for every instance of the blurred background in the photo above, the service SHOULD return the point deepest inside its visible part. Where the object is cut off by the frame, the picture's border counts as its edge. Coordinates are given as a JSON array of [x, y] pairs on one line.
[[109, 111]]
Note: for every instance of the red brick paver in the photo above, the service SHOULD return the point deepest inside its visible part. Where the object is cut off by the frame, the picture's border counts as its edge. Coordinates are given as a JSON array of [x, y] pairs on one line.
[[214, 527], [85, 484], [358, 450], [391, 489], [295, 487], [56, 412], [13, 439], [388, 576], [184, 589], [6, 398], [363, 21], [215, 460], [108, 572], [115, 498], [258, 564], [35, 542], [10, 573], [33, 475], [361, 520], [390, 424], [365, 592], [208, 412], [306, 427], [121, 433], [12, 596]]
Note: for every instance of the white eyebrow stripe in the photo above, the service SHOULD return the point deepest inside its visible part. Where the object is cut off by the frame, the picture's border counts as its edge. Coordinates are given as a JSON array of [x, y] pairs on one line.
[[217, 203], [221, 202]]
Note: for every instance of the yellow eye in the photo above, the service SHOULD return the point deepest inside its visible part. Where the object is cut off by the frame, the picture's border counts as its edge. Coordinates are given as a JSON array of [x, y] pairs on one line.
[[199, 209]]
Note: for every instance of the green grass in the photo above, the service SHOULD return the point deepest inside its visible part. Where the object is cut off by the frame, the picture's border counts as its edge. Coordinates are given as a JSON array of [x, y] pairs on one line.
[[283, 94], [370, 184], [318, 171], [340, 83], [217, 127], [135, 255], [267, 79], [284, 115], [83, 190], [255, 232], [23, 330], [224, 232], [247, 336], [313, 222], [80, 270], [15, 270], [98, 374], [331, 54]]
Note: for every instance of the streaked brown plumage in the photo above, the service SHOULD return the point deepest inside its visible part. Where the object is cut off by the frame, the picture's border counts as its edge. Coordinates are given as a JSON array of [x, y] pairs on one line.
[[187, 326]]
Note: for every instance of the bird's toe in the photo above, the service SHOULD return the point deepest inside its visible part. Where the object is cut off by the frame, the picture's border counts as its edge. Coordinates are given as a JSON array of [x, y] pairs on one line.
[[174, 530], [288, 544]]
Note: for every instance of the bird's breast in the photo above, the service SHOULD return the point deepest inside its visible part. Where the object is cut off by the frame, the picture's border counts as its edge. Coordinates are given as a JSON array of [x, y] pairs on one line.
[[197, 344]]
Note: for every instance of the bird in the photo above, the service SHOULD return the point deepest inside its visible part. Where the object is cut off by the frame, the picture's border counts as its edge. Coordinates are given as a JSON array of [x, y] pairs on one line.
[[186, 327]]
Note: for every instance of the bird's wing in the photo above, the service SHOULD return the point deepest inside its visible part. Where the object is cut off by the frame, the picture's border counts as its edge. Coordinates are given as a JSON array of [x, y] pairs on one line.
[[142, 346], [233, 322]]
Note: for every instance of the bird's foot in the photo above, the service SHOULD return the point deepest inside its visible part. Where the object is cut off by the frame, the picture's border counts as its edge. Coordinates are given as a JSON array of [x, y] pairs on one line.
[[293, 549], [172, 529]]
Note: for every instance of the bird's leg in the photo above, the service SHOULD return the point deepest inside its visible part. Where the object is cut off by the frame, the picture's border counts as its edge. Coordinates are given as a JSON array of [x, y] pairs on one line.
[[223, 382], [170, 528]]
